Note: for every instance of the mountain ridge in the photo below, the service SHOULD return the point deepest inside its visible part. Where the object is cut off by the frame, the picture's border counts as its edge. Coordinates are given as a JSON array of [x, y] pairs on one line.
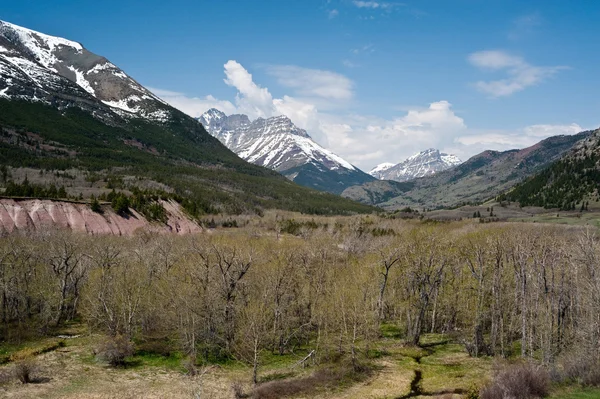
[[27, 50]]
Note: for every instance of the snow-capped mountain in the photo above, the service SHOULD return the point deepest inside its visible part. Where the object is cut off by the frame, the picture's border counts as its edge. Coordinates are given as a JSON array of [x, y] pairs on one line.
[[39, 67], [424, 163], [278, 144]]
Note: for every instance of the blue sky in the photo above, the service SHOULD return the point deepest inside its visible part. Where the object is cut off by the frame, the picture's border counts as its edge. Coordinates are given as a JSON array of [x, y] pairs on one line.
[[375, 81]]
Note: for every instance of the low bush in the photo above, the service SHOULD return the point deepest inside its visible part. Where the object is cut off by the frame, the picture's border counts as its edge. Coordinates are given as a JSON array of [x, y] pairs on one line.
[[114, 350], [323, 378], [189, 364], [582, 368], [23, 370], [518, 381]]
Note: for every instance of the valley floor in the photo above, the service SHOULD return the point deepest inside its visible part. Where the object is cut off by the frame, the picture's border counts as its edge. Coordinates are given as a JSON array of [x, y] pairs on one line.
[[71, 371]]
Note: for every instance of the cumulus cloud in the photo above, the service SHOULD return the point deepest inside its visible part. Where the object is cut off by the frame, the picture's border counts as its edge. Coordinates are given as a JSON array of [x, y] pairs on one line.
[[251, 98], [313, 82], [520, 73], [361, 139], [194, 106], [367, 141], [502, 140], [333, 13]]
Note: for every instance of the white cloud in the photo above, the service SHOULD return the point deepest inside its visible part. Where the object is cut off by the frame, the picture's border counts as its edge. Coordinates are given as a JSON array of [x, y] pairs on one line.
[[502, 140], [368, 48], [520, 73], [256, 101], [367, 141], [313, 82], [194, 106], [552, 130], [251, 98], [366, 4], [524, 25], [361, 139], [374, 4], [333, 13]]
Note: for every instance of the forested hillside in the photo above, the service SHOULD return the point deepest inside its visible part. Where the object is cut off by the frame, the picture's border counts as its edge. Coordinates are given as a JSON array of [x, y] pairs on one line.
[[566, 183], [178, 154]]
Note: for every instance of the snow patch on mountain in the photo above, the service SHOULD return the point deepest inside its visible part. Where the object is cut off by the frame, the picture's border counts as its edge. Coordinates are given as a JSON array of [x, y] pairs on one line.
[[42, 46]]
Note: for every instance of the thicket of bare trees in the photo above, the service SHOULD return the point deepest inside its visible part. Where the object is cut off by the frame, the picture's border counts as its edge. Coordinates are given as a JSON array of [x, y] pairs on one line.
[[501, 289]]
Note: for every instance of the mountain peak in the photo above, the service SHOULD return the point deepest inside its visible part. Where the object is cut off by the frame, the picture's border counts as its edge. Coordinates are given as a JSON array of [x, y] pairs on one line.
[[45, 68], [35, 40], [215, 112], [278, 144], [424, 163]]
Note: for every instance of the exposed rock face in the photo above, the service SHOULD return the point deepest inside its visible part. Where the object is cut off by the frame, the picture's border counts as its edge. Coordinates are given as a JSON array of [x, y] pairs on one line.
[[33, 215], [278, 144]]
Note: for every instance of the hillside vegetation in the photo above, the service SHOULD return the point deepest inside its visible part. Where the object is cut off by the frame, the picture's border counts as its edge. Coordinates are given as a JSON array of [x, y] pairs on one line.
[[566, 183]]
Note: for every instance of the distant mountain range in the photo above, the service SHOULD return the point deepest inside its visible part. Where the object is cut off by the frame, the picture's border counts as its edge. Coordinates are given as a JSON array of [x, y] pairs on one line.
[[424, 163], [483, 176], [65, 108], [278, 144]]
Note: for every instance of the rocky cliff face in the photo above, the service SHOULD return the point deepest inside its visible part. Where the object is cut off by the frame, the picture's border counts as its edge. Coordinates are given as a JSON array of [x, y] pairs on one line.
[[35, 215]]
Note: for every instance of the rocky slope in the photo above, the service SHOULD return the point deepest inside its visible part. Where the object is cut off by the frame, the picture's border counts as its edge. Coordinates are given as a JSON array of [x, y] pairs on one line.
[[278, 144], [424, 163], [31, 215], [481, 177]]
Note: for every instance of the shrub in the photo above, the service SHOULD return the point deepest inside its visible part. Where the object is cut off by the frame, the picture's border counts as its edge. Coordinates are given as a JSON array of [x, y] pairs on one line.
[[238, 390], [519, 381], [189, 364], [582, 368], [95, 205], [24, 369], [115, 350]]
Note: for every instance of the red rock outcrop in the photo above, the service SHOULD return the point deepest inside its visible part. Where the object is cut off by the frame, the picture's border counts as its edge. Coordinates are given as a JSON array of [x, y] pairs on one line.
[[34, 214]]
